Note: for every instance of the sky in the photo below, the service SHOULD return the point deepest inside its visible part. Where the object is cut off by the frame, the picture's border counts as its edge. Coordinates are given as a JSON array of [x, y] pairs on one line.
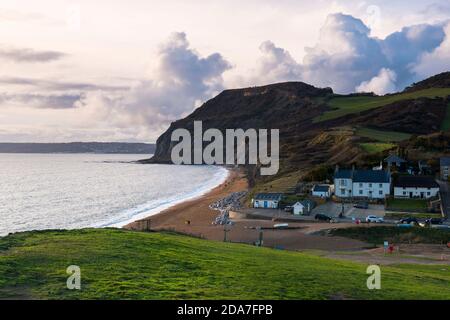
[[114, 70]]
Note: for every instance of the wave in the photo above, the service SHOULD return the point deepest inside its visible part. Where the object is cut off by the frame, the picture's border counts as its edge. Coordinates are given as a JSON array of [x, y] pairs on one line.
[[154, 207]]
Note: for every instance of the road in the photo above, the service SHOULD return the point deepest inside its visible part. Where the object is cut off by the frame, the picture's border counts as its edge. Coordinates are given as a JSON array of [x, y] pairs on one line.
[[445, 197]]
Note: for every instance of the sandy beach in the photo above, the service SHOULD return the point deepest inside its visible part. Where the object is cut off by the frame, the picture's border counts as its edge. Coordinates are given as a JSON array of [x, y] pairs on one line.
[[196, 211], [200, 218]]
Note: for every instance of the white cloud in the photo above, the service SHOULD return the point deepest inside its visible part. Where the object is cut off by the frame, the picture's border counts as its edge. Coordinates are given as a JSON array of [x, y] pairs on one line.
[[182, 79], [436, 61], [381, 84], [346, 57]]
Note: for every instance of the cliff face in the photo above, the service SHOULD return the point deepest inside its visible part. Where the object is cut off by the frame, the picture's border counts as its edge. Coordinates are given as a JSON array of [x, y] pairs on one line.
[[285, 106]]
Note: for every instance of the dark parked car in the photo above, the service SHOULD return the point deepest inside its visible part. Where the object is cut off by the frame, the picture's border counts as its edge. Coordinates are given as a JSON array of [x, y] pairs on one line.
[[322, 217], [361, 205], [433, 221], [409, 221]]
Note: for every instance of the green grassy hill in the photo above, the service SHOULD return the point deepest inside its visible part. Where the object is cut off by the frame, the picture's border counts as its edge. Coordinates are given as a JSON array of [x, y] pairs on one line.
[[118, 264], [351, 104], [382, 136]]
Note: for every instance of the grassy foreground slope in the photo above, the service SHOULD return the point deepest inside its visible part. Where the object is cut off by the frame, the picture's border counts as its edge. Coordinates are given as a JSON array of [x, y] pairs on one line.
[[347, 105], [118, 264]]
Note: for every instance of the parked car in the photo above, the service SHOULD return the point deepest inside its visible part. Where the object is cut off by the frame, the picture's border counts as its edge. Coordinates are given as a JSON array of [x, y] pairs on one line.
[[409, 220], [362, 205], [433, 221], [289, 209], [374, 219], [323, 217]]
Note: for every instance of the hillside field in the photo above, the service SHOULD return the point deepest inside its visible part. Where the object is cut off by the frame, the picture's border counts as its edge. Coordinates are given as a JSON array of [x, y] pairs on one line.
[[382, 136], [346, 105], [117, 264]]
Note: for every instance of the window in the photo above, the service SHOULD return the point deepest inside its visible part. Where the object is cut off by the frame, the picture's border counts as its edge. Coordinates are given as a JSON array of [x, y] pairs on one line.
[[360, 185], [428, 193], [404, 193], [370, 185], [380, 192], [380, 185], [360, 192]]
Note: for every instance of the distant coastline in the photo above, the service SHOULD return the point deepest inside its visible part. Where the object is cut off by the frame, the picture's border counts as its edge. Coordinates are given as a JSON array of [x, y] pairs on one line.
[[79, 147]]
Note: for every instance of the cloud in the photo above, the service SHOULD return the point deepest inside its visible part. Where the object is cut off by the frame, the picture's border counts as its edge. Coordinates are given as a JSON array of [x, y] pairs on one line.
[[26, 55], [381, 84], [45, 84], [436, 61], [182, 79], [347, 58], [275, 65], [62, 101]]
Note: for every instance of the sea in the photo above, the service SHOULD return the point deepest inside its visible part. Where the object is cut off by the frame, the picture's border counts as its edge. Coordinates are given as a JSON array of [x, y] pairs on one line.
[[71, 191]]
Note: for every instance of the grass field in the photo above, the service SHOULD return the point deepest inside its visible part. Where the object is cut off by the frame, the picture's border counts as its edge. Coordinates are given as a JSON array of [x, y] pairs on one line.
[[377, 235], [382, 136], [415, 205], [348, 105], [376, 147], [446, 122], [118, 264]]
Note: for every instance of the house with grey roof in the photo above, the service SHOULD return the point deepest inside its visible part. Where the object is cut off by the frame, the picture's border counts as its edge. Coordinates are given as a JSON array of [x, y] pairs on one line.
[[372, 184], [423, 187], [394, 160], [267, 200], [445, 168], [321, 191], [303, 207]]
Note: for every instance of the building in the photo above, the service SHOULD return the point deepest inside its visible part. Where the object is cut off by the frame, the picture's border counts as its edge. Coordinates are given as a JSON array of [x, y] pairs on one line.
[[372, 184], [422, 187], [303, 207], [445, 168], [267, 200], [394, 160], [321, 191]]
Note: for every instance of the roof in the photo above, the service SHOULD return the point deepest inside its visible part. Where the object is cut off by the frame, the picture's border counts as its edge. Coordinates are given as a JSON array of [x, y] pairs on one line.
[[321, 188], [269, 196], [445, 162], [371, 176], [374, 176], [343, 174], [416, 182], [394, 158]]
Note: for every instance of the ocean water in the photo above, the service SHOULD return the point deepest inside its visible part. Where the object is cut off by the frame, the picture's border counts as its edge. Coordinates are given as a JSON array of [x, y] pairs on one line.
[[69, 191]]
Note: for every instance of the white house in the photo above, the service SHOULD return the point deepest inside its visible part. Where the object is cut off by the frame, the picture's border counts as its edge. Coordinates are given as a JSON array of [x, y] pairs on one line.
[[267, 200], [372, 184], [321, 191], [415, 187], [303, 207]]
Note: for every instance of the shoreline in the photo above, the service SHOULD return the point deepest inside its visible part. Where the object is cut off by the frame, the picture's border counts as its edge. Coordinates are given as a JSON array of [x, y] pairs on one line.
[[193, 216], [147, 214]]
